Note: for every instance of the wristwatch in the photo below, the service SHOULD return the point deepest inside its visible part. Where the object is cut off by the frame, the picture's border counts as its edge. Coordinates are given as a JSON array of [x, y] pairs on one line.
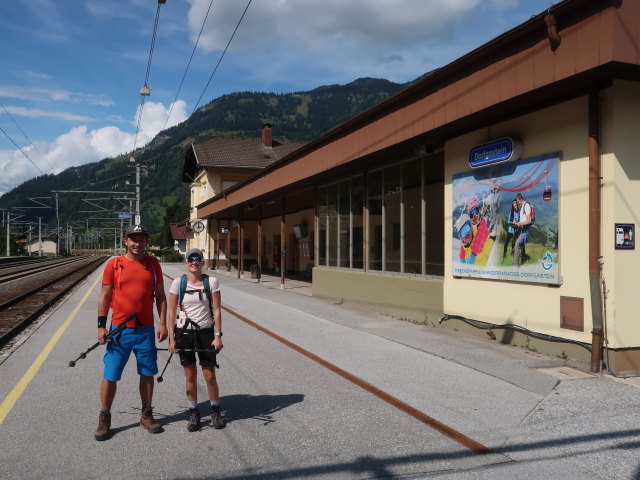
[[217, 334]]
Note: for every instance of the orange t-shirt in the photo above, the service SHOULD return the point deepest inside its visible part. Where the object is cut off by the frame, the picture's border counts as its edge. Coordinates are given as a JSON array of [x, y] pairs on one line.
[[133, 288]]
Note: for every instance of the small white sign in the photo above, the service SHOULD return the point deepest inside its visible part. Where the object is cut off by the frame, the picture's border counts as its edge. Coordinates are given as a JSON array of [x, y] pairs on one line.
[[137, 220]]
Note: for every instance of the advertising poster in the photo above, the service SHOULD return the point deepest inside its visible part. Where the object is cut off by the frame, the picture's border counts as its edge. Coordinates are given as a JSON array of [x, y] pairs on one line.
[[488, 204]]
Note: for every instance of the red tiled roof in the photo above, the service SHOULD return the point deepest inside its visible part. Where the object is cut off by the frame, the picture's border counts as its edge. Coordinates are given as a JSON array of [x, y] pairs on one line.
[[241, 152], [178, 232]]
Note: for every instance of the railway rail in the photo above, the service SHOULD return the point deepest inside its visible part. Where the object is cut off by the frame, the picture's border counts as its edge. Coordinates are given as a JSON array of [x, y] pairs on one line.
[[28, 290]]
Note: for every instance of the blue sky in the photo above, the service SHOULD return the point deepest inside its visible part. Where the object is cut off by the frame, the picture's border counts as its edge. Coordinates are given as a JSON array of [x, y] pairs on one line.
[[72, 69]]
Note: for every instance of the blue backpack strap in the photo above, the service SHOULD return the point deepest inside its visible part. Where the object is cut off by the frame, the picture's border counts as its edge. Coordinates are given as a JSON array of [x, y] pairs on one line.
[[207, 290], [183, 288]]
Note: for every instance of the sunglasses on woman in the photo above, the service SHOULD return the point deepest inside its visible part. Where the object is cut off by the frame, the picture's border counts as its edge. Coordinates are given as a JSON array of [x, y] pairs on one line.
[[195, 260]]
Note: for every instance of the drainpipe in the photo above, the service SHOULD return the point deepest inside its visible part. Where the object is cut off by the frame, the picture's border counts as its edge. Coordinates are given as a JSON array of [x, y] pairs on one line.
[[594, 229]]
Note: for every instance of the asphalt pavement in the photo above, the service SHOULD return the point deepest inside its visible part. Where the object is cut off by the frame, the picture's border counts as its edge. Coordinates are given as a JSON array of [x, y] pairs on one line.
[[313, 389]]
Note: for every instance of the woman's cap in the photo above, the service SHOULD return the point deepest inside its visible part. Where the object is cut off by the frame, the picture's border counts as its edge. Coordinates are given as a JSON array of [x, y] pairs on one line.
[[194, 252]]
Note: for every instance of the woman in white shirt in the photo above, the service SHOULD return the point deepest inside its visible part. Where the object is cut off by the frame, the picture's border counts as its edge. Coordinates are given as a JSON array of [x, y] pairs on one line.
[[197, 325]]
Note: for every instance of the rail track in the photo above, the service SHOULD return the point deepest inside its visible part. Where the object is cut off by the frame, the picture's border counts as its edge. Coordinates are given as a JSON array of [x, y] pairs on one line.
[[28, 289]]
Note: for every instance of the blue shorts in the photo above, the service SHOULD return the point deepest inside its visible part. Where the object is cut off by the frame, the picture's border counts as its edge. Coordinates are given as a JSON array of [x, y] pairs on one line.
[[140, 340]]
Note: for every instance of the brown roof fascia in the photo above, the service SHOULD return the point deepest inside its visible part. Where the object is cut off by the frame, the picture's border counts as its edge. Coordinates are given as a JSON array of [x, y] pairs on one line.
[[520, 37]]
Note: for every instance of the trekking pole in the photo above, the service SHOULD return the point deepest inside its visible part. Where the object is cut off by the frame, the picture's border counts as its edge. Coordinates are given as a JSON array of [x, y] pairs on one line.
[[178, 350], [159, 379], [107, 337], [194, 350]]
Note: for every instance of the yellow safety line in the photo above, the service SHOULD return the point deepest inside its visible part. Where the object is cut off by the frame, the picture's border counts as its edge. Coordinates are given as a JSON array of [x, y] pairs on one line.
[[10, 400]]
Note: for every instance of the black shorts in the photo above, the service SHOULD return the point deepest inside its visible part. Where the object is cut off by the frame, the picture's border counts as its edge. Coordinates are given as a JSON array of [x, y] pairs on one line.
[[192, 338]]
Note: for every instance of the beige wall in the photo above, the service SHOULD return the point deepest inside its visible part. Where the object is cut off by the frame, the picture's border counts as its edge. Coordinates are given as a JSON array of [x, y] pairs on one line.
[[620, 149], [402, 296], [536, 307]]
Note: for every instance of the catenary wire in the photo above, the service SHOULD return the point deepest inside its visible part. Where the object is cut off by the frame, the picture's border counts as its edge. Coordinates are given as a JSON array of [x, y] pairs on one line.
[[161, 164], [146, 76], [23, 152], [188, 65], [27, 138]]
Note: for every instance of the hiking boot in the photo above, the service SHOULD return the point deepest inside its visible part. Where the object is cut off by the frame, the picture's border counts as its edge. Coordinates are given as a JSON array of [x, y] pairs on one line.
[[216, 418], [194, 420], [104, 426], [147, 421]]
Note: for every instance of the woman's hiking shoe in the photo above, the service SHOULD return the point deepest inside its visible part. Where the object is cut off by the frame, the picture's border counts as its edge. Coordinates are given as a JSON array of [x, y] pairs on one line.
[[147, 421], [194, 420], [104, 426], [216, 418]]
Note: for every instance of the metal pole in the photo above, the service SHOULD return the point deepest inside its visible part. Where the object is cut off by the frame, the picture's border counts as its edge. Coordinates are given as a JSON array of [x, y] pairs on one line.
[[57, 228], [39, 238], [137, 192], [29, 241], [8, 229]]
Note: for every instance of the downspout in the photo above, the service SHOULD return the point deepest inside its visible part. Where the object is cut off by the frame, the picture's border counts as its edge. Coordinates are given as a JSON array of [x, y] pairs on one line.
[[595, 188]]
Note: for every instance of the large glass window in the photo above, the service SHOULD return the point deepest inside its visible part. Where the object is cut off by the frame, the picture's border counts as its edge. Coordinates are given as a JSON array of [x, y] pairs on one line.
[[344, 202], [332, 223], [322, 226], [374, 230], [357, 204], [400, 230], [412, 218], [392, 226]]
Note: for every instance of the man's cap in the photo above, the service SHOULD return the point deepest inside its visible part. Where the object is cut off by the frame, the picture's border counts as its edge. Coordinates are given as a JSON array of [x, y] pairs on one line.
[[194, 252], [133, 229]]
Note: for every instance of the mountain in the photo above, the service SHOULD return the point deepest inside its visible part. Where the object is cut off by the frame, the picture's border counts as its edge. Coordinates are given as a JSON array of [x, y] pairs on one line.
[[294, 116]]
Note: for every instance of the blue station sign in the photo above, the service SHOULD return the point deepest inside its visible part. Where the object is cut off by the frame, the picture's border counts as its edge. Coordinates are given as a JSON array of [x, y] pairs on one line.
[[502, 150]]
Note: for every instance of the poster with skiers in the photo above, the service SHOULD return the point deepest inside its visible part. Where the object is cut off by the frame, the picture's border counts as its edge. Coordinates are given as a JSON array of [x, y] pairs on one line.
[[505, 221]]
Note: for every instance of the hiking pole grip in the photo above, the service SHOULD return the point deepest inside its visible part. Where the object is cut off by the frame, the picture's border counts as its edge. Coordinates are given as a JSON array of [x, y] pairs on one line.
[[107, 337]]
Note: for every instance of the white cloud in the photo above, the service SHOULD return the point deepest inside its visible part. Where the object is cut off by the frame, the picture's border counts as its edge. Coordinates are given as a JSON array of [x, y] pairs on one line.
[[80, 145], [31, 74], [44, 94], [154, 118], [37, 113], [320, 25]]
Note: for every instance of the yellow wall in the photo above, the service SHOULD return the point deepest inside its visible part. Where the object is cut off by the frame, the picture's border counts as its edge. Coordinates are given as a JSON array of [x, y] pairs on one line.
[[536, 307], [620, 148]]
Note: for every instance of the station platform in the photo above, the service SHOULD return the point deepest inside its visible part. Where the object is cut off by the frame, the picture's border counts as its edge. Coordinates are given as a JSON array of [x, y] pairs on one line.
[[292, 413]]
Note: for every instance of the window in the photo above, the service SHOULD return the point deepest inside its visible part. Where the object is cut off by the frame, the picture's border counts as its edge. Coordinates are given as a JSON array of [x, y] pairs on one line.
[[404, 219], [411, 217], [322, 226], [374, 230], [392, 225]]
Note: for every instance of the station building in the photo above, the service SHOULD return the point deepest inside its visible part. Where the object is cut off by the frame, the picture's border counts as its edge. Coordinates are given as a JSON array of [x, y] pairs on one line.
[[405, 209]]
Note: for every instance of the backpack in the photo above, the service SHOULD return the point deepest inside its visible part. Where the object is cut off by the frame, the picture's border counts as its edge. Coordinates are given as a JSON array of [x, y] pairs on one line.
[[206, 289], [532, 215]]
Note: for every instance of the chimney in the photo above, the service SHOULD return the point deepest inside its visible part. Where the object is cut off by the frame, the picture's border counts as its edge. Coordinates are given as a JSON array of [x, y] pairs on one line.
[[266, 135]]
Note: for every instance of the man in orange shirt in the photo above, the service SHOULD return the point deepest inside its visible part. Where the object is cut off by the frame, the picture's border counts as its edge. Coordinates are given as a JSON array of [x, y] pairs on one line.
[[129, 284]]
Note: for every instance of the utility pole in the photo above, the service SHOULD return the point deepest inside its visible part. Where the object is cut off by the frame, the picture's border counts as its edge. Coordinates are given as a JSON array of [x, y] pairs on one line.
[[137, 219], [39, 238], [8, 229], [57, 228]]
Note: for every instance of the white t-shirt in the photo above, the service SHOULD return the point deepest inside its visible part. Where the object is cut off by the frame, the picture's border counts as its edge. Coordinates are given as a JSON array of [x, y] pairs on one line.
[[525, 212], [194, 305]]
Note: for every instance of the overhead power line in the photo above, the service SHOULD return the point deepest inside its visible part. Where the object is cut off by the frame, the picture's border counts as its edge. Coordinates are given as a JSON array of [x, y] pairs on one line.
[[159, 169], [23, 152], [188, 65], [27, 138], [221, 56], [145, 85]]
